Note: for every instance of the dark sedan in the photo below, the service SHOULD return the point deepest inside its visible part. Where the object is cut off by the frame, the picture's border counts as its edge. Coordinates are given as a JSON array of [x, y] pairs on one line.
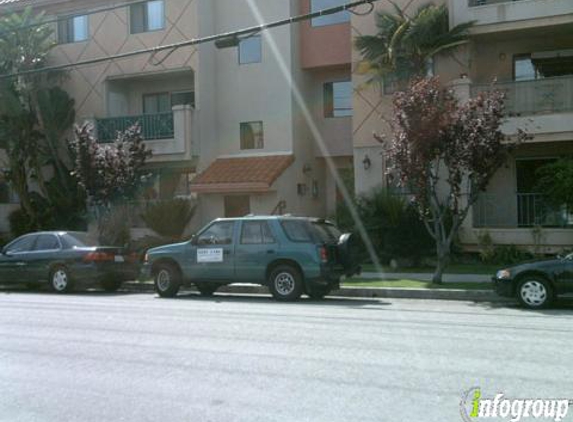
[[536, 284], [64, 259]]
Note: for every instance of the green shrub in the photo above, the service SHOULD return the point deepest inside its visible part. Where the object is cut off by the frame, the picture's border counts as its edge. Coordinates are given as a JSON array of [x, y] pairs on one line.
[[393, 225], [169, 218], [510, 254]]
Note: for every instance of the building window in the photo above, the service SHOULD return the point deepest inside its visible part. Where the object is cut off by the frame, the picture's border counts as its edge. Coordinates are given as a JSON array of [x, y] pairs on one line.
[[338, 99], [183, 98], [74, 29], [147, 16], [252, 135], [156, 103], [523, 68], [336, 18], [250, 50]]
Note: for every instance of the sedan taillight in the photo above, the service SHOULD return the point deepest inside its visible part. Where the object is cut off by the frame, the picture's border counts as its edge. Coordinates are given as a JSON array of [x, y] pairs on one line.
[[99, 257]]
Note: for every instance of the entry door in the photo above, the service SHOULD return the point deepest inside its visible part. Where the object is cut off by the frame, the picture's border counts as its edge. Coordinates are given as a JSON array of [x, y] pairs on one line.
[[213, 255], [237, 206], [256, 248]]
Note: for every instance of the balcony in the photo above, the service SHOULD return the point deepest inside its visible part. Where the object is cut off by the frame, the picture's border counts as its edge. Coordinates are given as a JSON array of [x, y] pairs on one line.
[[500, 15], [166, 134], [521, 210], [540, 96], [153, 126]]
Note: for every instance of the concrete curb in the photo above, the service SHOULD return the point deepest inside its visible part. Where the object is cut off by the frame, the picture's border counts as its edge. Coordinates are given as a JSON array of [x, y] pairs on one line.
[[354, 292]]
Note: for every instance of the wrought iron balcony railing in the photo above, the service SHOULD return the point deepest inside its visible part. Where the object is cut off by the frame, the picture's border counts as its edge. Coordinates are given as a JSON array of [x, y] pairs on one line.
[[547, 95], [520, 210], [153, 126]]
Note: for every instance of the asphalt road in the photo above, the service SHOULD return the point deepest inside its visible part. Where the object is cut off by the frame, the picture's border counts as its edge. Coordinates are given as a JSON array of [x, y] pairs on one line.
[[134, 357]]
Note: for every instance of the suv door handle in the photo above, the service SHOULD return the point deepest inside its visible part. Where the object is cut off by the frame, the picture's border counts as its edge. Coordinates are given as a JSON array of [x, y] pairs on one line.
[[270, 251]]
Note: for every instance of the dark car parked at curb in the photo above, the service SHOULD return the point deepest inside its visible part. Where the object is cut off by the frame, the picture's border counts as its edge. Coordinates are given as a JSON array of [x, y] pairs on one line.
[[64, 259], [536, 284], [290, 255]]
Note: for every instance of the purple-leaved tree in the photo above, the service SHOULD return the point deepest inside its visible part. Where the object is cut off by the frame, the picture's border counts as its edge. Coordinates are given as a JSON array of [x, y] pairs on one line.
[[445, 153], [110, 173]]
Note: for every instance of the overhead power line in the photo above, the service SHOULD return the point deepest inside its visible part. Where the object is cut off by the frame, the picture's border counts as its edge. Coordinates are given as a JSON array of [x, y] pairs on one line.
[[196, 41]]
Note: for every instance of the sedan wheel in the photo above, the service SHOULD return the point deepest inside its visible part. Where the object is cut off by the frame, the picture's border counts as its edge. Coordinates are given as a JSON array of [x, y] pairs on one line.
[[60, 280], [535, 293]]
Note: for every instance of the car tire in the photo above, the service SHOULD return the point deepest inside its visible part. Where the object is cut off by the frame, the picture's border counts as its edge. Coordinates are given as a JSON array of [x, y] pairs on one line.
[[535, 292], [167, 280], [207, 289], [318, 292], [111, 285], [60, 280], [285, 283]]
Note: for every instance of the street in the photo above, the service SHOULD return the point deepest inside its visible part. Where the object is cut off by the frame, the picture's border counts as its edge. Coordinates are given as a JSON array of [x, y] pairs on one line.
[[134, 357]]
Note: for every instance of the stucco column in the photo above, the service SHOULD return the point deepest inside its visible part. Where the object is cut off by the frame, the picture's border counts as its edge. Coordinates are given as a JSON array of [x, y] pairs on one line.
[[182, 116]]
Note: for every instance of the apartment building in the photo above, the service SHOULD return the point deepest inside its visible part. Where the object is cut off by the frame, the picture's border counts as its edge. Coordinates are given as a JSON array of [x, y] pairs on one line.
[[232, 127], [527, 47]]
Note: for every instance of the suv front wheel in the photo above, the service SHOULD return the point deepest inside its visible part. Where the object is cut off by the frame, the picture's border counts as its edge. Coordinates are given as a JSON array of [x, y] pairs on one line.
[[285, 283], [167, 280]]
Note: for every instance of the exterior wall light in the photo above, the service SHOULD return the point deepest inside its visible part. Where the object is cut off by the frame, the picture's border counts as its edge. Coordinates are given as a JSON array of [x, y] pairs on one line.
[[366, 162]]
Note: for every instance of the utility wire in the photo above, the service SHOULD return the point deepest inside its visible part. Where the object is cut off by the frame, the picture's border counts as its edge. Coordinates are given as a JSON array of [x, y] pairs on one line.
[[196, 41]]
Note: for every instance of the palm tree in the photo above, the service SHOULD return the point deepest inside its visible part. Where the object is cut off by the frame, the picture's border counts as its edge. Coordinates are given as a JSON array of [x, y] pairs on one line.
[[405, 45]]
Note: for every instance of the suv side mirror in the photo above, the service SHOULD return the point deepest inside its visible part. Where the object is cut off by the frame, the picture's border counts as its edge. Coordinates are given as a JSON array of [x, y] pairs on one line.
[[193, 240]]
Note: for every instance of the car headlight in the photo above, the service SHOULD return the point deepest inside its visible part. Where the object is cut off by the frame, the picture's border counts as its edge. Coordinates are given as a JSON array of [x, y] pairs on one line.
[[503, 274]]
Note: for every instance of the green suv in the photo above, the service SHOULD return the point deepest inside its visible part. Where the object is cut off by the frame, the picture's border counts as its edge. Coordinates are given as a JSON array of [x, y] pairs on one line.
[[290, 255]]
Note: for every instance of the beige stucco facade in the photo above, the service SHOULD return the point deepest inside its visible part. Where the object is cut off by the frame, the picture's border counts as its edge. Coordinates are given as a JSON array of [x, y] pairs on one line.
[[503, 32], [284, 91]]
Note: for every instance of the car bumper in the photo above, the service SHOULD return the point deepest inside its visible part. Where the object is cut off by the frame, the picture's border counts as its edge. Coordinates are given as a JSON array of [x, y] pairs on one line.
[[105, 271], [503, 287]]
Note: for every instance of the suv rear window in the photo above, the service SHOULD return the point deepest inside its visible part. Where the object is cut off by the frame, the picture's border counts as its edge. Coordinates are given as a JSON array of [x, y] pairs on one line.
[[297, 231], [326, 232]]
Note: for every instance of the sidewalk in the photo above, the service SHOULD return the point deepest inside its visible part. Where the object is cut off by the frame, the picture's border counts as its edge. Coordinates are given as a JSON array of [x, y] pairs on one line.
[[446, 278]]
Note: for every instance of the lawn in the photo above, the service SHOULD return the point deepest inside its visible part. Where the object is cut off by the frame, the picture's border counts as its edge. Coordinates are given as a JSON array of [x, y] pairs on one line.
[[361, 282], [452, 269]]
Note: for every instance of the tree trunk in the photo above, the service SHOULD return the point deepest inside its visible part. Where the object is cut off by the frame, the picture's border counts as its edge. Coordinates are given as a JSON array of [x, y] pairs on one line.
[[443, 255]]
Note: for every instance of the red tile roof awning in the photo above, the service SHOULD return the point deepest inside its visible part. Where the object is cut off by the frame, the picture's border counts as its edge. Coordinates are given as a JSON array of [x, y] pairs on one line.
[[242, 174]]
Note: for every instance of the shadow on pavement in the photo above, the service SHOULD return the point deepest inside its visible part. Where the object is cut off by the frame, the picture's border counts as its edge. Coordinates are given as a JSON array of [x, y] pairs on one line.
[[259, 298], [562, 306]]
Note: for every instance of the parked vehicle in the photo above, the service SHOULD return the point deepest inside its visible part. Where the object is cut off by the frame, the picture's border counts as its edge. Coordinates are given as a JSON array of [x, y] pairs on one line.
[[536, 284], [290, 255], [64, 259]]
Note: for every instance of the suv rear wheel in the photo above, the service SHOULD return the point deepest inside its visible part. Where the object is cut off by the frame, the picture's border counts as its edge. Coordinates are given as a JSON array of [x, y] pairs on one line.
[[285, 283]]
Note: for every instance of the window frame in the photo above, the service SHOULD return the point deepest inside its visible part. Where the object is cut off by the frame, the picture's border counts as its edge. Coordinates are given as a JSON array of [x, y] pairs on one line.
[[145, 17], [260, 223], [6, 248], [329, 109], [516, 58], [69, 23], [260, 51], [157, 95], [241, 132], [202, 232], [317, 22], [59, 248]]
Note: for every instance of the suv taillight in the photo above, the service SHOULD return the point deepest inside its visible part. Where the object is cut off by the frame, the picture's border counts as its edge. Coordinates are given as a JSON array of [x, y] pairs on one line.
[[323, 254]]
